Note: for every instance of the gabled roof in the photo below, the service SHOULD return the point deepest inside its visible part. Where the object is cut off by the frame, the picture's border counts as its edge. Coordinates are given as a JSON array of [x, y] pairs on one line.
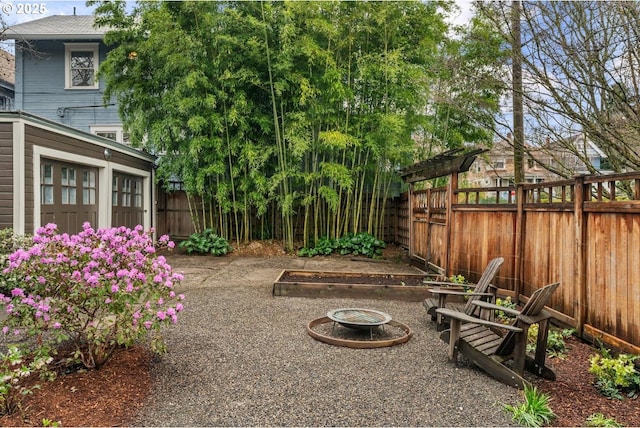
[[56, 27]]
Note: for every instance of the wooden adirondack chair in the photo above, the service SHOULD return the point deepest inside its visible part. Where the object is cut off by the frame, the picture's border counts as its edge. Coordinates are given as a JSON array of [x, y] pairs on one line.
[[483, 291], [480, 340]]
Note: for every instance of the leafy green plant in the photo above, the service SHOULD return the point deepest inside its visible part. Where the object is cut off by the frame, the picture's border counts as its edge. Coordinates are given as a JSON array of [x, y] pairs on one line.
[[556, 341], [360, 243], [14, 367], [600, 420], [615, 376], [503, 316], [458, 279], [206, 242], [534, 411]]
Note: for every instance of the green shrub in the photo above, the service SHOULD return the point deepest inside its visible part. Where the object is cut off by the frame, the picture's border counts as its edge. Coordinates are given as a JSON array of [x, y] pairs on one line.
[[615, 376], [600, 420], [206, 242], [360, 243], [502, 316], [356, 244], [556, 341], [534, 411]]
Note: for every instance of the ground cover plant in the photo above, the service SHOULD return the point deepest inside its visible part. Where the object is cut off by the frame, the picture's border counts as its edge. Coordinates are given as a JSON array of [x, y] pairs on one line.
[[352, 243], [95, 292], [206, 242], [615, 377], [534, 411]]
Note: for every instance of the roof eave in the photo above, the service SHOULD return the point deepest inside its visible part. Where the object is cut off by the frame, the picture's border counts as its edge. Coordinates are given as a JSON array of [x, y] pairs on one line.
[[24, 37]]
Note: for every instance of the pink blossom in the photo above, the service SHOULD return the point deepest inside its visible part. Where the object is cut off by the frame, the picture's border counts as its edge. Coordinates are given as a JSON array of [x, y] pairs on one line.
[[57, 325], [162, 315], [147, 324]]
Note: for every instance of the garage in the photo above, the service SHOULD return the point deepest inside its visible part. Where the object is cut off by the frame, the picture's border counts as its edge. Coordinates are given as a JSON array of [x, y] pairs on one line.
[[51, 173]]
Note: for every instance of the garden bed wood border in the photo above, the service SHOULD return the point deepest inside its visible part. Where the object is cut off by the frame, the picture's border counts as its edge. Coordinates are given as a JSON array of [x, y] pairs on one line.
[[407, 293]]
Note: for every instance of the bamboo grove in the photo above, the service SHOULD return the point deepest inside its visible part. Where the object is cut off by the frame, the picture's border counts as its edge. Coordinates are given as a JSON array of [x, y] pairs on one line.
[[307, 107]]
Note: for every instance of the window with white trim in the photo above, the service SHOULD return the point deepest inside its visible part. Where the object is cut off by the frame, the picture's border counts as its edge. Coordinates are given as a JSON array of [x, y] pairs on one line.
[[112, 132], [81, 65], [499, 164]]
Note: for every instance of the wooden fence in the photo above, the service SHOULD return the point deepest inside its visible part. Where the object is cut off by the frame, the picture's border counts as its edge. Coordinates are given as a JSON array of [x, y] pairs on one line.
[[584, 233], [174, 219]]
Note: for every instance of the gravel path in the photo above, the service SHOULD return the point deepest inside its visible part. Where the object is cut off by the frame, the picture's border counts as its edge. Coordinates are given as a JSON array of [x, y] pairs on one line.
[[240, 357]]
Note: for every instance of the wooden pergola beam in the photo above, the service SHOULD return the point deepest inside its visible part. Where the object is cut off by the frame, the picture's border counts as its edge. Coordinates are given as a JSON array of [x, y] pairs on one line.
[[453, 161]]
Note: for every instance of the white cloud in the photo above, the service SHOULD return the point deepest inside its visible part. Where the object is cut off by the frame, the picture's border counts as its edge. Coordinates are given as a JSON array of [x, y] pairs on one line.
[[463, 16]]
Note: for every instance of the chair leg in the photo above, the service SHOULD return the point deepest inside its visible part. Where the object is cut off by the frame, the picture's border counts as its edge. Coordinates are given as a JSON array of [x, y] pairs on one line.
[[541, 343], [454, 336]]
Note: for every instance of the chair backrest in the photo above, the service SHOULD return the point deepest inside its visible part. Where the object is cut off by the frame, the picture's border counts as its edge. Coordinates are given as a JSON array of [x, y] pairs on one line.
[[482, 286], [534, 306], [539, 299]]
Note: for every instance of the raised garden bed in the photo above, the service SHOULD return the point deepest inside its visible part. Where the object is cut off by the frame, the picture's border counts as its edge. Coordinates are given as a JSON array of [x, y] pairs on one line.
[[380, 286]]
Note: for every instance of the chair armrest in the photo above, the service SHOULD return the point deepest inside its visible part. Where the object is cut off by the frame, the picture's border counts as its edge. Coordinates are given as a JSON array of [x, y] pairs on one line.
[[458, 293], [443, 283], [487, 305], [469, 319], [543, 315]]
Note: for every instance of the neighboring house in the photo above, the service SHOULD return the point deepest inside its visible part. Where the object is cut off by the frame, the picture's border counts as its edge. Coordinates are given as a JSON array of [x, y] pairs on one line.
[[496, 167], [57, 59], [7, 80], [51, 173]]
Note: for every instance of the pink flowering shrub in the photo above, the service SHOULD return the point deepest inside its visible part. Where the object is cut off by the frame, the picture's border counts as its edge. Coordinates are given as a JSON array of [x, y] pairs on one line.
[[100, 289]]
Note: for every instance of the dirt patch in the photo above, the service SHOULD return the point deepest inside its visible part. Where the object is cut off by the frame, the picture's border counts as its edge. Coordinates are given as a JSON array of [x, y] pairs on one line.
[[110, 396], [574, 397]]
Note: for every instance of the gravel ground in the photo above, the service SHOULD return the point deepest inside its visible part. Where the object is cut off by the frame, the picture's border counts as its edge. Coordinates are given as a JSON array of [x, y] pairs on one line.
[[240, 357]]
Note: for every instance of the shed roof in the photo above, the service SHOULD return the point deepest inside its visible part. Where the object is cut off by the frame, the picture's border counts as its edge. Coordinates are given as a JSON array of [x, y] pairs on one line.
[[56, 27], [456, 160]]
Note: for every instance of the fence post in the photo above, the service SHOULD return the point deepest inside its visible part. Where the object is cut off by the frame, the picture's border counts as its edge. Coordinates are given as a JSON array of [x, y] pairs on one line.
[[580, 253], [410, 213], [453, 185], [520, 228]]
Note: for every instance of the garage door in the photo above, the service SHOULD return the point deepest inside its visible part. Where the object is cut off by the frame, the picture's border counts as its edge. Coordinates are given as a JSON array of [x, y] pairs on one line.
[[127, 198], [68, 195]]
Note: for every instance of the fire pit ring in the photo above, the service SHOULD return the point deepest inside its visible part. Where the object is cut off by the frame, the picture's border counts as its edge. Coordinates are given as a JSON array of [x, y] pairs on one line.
[[359, 344]]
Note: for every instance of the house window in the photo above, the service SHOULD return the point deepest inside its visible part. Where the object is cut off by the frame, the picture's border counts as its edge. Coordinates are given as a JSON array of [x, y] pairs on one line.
[[126, 192], [46, 184], [112, 132], [137, 193], [68, 182], [114, 192], [81, 65], [499, 164], [88, 187]]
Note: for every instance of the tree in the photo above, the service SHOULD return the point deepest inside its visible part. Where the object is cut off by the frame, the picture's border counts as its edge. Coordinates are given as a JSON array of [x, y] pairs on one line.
[[580, 67], [311, 106]]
